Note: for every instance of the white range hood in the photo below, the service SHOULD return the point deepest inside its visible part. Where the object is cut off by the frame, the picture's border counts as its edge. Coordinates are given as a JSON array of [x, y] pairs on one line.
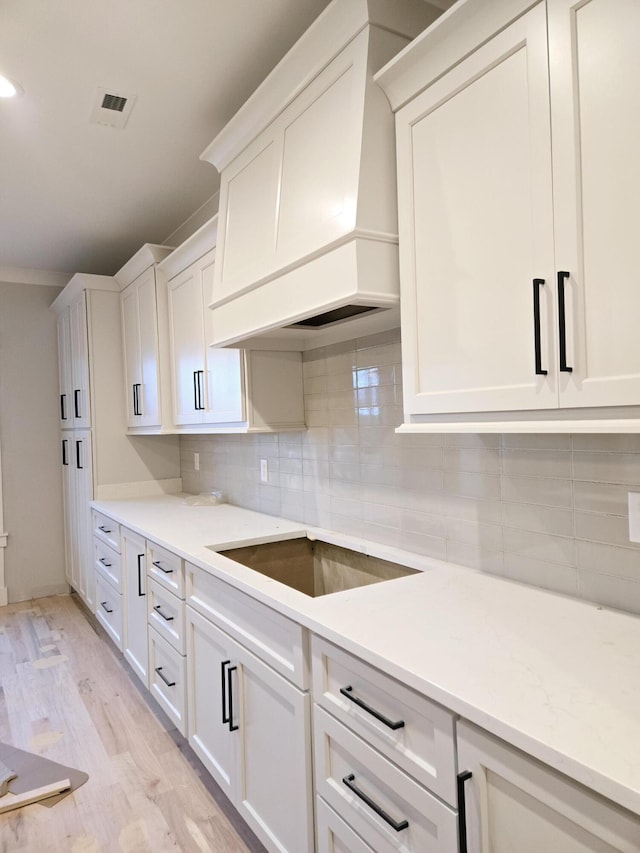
[[308, 238]]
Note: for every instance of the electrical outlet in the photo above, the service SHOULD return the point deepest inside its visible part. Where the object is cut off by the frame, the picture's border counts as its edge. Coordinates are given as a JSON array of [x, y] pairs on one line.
[[634, 516], [264, 471], [196, 461]]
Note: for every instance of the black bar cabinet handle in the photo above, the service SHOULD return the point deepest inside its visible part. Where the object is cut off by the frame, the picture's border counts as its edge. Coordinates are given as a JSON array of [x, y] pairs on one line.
[[104, 529], [140, 592], [162, 569], [65, 454], [392, 724], [562, 322], [223, 665], [537, 284], [201, 389], [76, 402], [156, 607], [78, 454], [63, 407], [231, 670], [103, 604], [195, 390], [462, 809], [164, 677], [398, 825], [104, 563]]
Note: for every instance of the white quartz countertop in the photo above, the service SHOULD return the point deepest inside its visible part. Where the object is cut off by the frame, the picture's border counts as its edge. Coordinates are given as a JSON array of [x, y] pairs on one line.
[[557, 677]]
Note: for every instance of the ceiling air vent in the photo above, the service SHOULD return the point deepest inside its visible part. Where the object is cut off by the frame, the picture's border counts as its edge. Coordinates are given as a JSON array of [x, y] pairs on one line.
[[111, 109]]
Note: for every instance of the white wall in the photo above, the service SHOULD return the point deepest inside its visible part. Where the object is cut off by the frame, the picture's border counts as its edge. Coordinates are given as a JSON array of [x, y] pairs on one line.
[[29, 438]]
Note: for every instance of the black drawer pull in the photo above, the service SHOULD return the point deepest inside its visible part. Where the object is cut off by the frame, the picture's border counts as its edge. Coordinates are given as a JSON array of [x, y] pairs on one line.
[[537, 284], [140, 592], [162, 569], [231, 669], [562, 325], [164, 678], [103, 604], [347, 692], [394, 824], [223, 679], [462, 809], [103, 529], [160, 613], [104, 563]]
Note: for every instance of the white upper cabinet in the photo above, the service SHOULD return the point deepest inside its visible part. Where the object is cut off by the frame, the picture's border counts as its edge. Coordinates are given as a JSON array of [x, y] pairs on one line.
[[516, 256], [73, 365], [308, 225], [221, 390], [144, 341]]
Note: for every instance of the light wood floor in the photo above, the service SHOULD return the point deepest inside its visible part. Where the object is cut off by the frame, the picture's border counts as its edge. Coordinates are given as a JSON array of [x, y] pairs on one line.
[[67, 694]]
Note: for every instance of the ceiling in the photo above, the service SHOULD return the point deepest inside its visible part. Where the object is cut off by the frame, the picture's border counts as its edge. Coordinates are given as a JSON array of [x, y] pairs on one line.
[[76, 196]]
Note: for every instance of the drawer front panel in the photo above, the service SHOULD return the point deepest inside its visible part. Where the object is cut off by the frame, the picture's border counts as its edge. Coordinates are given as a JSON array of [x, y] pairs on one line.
[[423, 745], [381, 803], [334, 836], [166, 615], [165, 568], [168, 679], [109, 609], [278, 641], [106, 529], [107, 562]]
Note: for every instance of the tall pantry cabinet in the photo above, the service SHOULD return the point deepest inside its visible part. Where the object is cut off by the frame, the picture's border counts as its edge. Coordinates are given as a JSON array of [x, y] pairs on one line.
[[97, 457]]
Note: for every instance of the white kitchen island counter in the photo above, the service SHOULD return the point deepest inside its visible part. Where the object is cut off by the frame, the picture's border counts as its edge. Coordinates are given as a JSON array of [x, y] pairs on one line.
[[555, 676]]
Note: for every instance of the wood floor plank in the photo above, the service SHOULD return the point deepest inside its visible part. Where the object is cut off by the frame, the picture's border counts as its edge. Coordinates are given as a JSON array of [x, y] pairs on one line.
[[67, 694]]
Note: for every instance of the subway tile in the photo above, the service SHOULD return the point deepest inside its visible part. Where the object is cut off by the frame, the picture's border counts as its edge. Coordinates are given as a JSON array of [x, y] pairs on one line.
[[342, 417], [291, 482], [384, 395], [292, 504], [340, 435], [542, 519], [380, 514], [340, 382], [537, 490], [535, 441], [602, 497], [472, 485], [472, 509], [315, 402], [347, 453], [348, 472], [383, 475], [486, 536], [421, 440], [536, 463], [550, 576], [472, 460], [427, 546], [383, 375], [608, 529], [602, 467], [315, 385], [610, 591], [317, 482], [378, 437], [381, 533], [290, 466], [379, 416], [487, 441], [345, 489], [423, 523], [381, 493], [539, 546], [390, 336], [414, 457], [375, 356], [345, 506], [381, 456], [475, 556], [419, 500], [341, 362], [430, 479], [617, 442], [315, 468], [609, 560]]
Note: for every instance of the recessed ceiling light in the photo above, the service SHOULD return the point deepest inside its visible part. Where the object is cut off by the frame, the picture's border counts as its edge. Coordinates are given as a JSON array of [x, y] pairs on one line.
[[8, 88]]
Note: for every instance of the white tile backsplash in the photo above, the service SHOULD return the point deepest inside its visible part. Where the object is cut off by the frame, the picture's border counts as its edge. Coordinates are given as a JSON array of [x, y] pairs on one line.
[[548, 510]]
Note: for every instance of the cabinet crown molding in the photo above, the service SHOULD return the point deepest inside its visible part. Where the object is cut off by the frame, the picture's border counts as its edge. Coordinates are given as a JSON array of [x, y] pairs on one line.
[[146, 256], [78, 284], [194, 247]]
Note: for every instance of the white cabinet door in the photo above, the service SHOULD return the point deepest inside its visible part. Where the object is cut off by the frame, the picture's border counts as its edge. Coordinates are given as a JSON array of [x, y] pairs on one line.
[[187, 345], [135, 604], [595, 98], [64, 369], [207, 383], [476, 230], [250, 726], [514, 803], [82, 528], [140, 338], [208, 656], [131, 343], [68, 505], [80, 401]]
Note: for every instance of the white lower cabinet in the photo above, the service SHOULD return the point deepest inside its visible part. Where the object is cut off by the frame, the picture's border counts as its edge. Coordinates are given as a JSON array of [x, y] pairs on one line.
[[135, 604], [167, 680], [514, 803], [334, 835], [109, 609], [251, 729]]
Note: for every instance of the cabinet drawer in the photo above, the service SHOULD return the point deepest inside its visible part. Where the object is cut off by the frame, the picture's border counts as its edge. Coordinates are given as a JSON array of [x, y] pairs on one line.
[[166, 568], [278, 641], [109, 609], [105, 529], [166, 615], [423, 745], [348, 771], [168, 679], [334, 835], [107, 562]]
